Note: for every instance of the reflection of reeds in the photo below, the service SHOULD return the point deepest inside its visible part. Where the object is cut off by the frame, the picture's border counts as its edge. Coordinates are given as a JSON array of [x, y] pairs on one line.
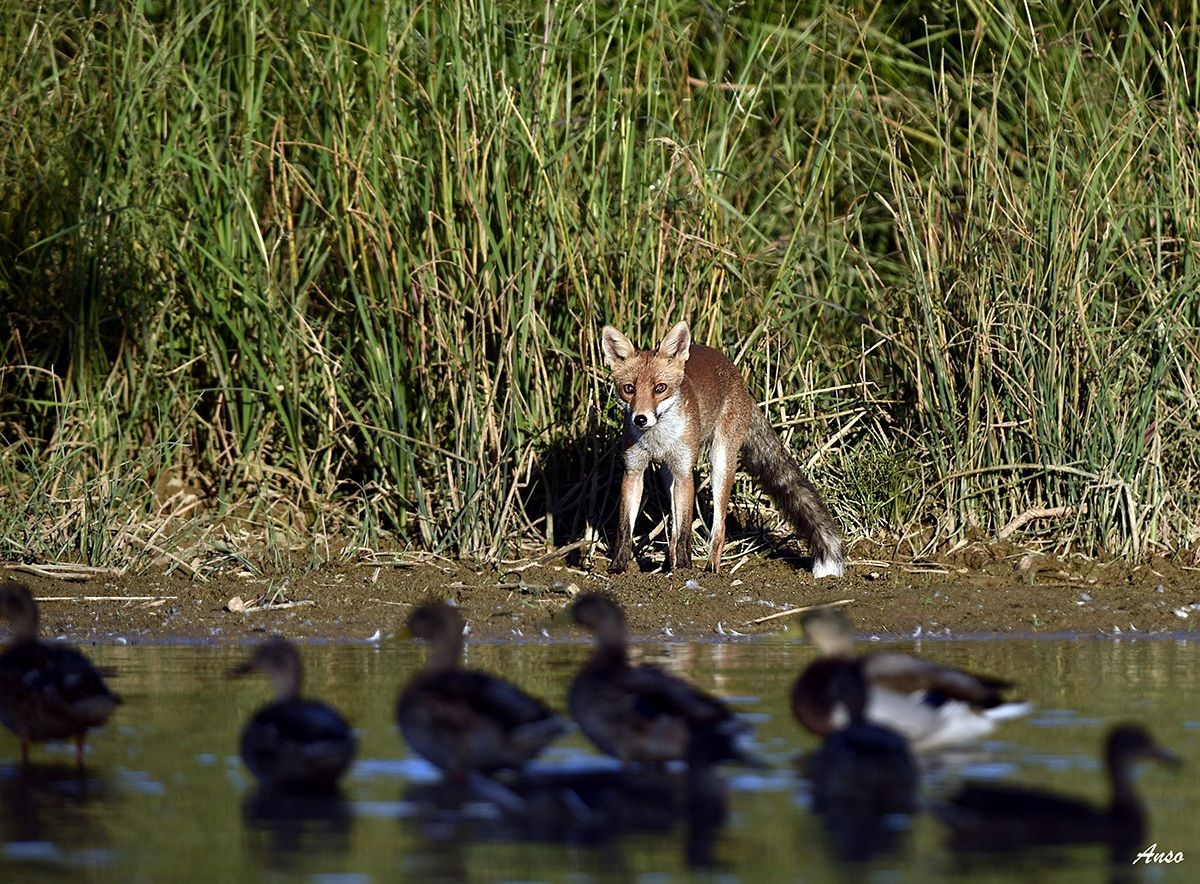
[[272, 276]]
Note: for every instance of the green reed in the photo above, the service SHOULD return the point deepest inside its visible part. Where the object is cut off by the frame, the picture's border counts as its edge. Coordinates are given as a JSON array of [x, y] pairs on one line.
[[285, 282]]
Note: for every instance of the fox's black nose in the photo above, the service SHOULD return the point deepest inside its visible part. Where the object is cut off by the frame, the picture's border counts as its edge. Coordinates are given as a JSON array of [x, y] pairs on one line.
[[640, 420]]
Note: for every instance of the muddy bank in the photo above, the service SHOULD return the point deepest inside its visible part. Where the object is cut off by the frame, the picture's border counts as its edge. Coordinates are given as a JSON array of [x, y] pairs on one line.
[[983, 590]]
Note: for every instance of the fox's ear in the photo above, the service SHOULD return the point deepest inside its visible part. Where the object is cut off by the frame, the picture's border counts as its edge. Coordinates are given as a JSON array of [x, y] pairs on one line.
[[617, 348], [677, 344]]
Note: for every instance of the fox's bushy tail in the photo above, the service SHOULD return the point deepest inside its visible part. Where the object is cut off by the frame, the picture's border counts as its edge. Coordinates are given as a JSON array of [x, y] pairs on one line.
[[764, 457]]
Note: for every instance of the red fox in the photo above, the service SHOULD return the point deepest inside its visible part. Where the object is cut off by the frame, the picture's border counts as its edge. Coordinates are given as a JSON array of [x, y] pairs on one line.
[[678, 397]]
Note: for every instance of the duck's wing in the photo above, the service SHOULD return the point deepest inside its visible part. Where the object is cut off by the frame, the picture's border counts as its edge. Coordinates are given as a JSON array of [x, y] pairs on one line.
[[863, 770], [311, 721], [642, 713], [298, 742], [907, 674], [59, 674], [660, 693], [487, 696], [1002, 801], [463, 720]]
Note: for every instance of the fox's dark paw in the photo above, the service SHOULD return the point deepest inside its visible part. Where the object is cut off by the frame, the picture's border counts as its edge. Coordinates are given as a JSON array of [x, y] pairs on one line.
[[618, 566]]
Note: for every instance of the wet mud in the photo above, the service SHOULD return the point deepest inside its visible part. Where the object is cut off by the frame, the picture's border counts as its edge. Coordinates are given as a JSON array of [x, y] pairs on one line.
[[978, 591]]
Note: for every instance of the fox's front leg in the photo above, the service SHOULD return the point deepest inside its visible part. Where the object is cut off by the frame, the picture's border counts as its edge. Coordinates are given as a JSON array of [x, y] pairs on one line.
[[631, 504], [681, 487]]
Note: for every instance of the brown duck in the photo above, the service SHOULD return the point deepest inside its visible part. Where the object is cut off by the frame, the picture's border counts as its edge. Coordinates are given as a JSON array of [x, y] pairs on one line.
[[47, 691], [464, 721], [641, 713], [293, 742], [985, 817], [932, 706]]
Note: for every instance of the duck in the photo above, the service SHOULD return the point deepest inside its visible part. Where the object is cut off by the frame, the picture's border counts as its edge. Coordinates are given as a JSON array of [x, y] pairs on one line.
[[863, 776], [641, 713], [462, 721], [863, 767], [47, 691], [991, 817], [932, 706], [293, 743]]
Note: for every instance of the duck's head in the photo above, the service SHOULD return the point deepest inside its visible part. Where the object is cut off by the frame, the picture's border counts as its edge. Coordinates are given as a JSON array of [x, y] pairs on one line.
[[442, 626], [602, 616], [19, 609], [1128, 743], [435, 620], [830, 630], [278, 658]]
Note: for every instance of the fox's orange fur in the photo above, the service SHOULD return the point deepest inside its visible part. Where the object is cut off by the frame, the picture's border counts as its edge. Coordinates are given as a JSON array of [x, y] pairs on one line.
[[678, 397]]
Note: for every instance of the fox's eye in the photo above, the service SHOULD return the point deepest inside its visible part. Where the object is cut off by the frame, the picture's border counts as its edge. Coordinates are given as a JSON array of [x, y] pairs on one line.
[[627, 389], [659, 389]]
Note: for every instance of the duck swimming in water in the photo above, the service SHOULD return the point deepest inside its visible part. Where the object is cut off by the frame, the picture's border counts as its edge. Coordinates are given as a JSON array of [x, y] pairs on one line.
[[863, 775], [47, 691], [292, 742], [863, 768], [464, 721], [641, 713], [986, 817], [932, 706]]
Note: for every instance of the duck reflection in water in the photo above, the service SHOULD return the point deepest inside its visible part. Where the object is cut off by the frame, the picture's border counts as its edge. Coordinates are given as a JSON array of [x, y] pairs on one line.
[[589, 807], [864, 778], [42, 802], [987, 818], [289, 823]]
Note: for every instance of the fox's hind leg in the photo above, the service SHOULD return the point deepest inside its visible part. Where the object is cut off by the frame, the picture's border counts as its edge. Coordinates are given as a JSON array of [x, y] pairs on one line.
[[724, 468], [723, 460]]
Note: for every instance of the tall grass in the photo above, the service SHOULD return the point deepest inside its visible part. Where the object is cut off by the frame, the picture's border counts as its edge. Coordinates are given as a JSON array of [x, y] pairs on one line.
[[284, 280]]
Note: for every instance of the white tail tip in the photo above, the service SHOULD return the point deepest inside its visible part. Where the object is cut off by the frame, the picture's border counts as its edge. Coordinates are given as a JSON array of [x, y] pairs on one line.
[[826, 568]]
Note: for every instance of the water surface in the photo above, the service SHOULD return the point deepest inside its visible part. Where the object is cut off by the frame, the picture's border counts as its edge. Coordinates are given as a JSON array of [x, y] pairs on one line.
[[165, 797]]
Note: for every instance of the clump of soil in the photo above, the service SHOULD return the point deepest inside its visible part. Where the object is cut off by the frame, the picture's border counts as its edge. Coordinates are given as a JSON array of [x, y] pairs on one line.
[[982, 590]]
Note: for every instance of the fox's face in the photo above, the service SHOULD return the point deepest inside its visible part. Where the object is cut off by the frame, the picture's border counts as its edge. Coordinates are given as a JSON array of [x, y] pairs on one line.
[[647, 381]]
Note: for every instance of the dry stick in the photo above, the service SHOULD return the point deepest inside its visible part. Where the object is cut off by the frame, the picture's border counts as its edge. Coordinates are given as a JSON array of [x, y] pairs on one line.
[[106, 598], [1038, 512], [253, 608], [799, 610], [279, 606], [64, 572], [546, 557], [67, 566]]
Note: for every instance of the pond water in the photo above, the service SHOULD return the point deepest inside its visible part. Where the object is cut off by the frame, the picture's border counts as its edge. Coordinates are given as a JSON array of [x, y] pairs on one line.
[[165, 797]]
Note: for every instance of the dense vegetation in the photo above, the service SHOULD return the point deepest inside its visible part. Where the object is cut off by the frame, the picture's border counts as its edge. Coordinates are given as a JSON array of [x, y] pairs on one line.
[[276, 276]]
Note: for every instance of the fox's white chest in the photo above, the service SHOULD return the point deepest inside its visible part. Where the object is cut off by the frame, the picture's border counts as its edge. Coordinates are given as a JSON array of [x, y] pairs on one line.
[[662, 443]]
